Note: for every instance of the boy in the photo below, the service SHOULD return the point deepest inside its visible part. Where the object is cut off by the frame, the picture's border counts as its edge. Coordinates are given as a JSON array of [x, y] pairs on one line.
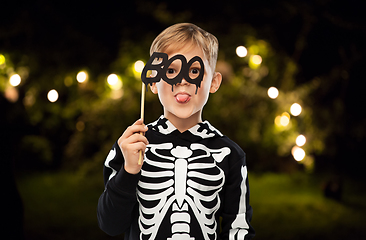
[[193, 181]]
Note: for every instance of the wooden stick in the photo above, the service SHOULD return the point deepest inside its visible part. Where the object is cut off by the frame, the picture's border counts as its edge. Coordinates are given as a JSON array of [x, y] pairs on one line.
[[143, 90]]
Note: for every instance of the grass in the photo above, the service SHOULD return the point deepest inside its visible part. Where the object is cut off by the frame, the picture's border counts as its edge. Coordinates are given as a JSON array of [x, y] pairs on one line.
[[63, 206], [294, 207]]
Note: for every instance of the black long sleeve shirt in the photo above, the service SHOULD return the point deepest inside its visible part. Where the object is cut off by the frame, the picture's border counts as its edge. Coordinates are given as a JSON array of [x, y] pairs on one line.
[[192, 185]]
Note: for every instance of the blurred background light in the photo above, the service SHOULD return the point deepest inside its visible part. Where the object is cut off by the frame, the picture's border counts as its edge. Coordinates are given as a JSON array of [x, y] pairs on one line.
[[295, 109], [241, 51], [285, 119], [253, 49], [2, 59], [300, 140], [52, 95], [139, 66], [11, 94], [278, 121], [114, 81], [298, 153], [82, 76], [80, 126], [68, 81], [255, 61], [282, 120], [272, 92], [15, 80]]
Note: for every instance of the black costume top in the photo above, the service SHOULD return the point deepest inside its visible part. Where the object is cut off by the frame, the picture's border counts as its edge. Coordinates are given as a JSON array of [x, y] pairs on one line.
[[192, 185]]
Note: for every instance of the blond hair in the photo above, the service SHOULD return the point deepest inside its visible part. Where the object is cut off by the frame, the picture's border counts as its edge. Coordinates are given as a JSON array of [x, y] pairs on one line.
[[182, 34]]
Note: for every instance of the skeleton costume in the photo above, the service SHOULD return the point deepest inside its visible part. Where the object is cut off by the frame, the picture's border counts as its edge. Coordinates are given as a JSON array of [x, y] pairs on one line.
[[192, 185]]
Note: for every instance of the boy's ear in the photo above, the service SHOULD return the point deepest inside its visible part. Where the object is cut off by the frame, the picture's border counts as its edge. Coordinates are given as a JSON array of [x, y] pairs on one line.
[[216, 82], [153, 88]]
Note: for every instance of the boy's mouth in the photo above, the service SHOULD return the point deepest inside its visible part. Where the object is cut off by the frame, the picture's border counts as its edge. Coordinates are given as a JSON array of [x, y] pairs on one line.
[[182, 97]]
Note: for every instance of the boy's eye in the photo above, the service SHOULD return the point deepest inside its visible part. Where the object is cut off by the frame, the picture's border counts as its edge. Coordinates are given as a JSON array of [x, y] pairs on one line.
[[170, 71], [195, 71]]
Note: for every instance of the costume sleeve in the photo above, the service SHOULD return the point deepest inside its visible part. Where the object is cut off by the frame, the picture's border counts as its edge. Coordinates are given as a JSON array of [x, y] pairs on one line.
[[118, 202], [237, 213]]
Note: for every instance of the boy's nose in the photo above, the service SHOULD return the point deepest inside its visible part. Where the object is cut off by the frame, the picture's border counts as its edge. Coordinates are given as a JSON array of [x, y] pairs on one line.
[[183, 82]]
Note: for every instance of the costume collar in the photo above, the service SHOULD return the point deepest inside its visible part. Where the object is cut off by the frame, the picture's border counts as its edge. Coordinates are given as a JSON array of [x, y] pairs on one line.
[[202, 130]]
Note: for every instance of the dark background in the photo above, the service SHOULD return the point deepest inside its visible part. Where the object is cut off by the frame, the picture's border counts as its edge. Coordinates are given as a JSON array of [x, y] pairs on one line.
[[323, 39]]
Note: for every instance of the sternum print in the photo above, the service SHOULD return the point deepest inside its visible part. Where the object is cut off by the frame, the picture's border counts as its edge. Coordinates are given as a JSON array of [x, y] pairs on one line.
[[176, 180], [180, 218], [180, 180]]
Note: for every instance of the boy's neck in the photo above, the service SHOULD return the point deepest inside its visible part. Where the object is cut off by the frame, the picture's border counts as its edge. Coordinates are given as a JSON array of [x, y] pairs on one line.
[[183, 124]]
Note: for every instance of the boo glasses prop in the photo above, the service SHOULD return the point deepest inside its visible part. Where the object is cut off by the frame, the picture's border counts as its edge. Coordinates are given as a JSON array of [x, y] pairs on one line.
[[173, 70]]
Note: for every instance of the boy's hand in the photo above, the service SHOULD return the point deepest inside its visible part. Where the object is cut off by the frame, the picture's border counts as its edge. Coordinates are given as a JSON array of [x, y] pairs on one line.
[[131, 142]]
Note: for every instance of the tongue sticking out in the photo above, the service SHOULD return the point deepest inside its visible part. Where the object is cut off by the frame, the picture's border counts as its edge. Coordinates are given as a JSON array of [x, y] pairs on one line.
[[182, 98]]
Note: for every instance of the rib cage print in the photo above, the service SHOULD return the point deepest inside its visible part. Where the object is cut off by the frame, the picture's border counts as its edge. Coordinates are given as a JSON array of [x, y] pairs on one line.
[[177, 184]]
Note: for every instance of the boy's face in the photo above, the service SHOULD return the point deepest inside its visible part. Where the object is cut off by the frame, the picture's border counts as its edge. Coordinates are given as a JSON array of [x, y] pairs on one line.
[[182, 101]]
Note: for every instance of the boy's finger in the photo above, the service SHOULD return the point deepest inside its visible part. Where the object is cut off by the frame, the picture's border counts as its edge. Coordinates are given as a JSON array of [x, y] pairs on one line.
[[133, 138], [138, 122], [138, 138], [135, 129]]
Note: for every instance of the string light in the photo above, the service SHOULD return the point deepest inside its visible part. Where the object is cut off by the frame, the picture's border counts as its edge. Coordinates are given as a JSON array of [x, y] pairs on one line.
[[300, 140], [295, 109], [255, 61], [82, 76], [272, 92], [52, 95], [241, 51], [285, 119], [139, 66], [298, 153], [2, 59], [114, 81], [11, 94], [15, 80], [282, 120]]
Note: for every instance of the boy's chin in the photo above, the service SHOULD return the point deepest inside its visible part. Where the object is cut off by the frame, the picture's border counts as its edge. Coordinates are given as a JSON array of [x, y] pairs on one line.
[[185, 115]]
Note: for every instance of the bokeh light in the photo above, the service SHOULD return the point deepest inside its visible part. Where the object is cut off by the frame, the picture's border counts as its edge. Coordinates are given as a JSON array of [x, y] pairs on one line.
[[52, 95], [285, 119], [256, 59], [241, 51], [114, 81], [272, 92], [300, 140], [15, 80], [11, 94], [295, 109], [2, 59], [82, 76], [80, 126], [254, 49], [298, 153], [68, 81], [139, 66]]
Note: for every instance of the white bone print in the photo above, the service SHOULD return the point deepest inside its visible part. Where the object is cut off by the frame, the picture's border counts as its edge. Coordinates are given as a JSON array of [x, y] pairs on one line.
[[179, 179]]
